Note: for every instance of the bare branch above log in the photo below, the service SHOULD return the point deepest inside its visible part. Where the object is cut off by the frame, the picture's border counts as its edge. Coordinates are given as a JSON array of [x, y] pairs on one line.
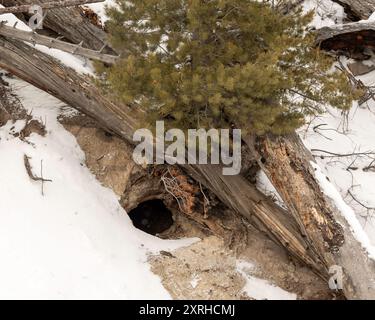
[[35, 38], [47, 5]]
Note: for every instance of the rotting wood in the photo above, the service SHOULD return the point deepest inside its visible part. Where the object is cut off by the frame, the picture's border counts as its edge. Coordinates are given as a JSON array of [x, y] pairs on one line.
[[354, 39], [235, 191], [71, 24], [47, 5], [357, 9], [49, 42], [287, 163]]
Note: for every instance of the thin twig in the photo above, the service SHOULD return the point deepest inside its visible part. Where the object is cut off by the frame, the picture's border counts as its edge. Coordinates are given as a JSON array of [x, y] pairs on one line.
[[32, 175]]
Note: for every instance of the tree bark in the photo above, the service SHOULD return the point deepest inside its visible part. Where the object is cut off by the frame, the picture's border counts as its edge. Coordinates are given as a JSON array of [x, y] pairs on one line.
[[351, 37], [287, 163], [235, 191], [49, 42], [47, 5], [310, 232], [70, 23], [357, 9]]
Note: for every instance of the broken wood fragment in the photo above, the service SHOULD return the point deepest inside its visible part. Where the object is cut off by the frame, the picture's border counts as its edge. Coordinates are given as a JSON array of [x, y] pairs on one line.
[[69, 23], [47, 5], [357, 9], [288, 165], [352, 39], [49, 42]]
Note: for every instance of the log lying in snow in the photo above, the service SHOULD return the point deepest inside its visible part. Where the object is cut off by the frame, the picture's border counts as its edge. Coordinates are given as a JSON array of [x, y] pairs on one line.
[[49, 42], [287, 163], [357, 9], [300, 239], [47, 5], [70, 23], [352, 38], [235, 191]]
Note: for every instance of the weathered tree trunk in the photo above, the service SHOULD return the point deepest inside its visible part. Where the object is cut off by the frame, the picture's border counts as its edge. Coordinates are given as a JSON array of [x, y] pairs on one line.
[[235, 191], [70, 23], [287, 163], [357, 9], [47, 5], [301, 232], [351, 38], [49, 42]]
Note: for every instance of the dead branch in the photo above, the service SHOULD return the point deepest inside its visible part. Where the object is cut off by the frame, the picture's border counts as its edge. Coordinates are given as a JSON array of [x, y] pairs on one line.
[[350, 39], [35, 38], [29, 170], [359, 202], [173, 186], [47, 5], [71, 24], [206, 202], [341, 155], [357, 9], [32, 175]]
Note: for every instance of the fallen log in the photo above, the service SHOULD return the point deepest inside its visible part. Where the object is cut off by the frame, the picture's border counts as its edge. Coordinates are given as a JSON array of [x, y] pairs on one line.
[[287, 163], [357, 9], [351, 38], [235, 191], [49, 42], [47, 5], [70, 23]]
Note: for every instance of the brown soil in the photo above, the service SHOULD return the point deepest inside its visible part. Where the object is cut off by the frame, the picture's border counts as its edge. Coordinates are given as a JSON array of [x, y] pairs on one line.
[[212, 261], [10, 106], [33, 126]]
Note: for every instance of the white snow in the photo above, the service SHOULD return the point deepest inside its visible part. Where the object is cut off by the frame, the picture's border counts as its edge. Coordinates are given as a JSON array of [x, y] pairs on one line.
[[76, 241], [264, 185], [372, 17], [327, 12], [261, 289], [75, 62], [329, 189], [99, 8]]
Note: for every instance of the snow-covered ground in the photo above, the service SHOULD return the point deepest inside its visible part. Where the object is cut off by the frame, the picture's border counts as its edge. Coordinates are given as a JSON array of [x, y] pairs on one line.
[[349, 174], [261, 289], [76, 241], [345, 134]]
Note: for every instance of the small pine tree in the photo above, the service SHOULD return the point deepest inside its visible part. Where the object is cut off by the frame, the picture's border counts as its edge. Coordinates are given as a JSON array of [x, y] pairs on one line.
[[215, 63]]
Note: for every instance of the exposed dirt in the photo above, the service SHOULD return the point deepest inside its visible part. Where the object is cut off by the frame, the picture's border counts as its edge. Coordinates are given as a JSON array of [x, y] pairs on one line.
[[207, 269], [108, 157], [33, 126], [214, 263], [12, 109], [10, 106], [204, 270]]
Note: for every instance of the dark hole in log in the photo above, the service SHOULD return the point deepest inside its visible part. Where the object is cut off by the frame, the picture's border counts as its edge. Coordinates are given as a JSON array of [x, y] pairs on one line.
[[152, 217]]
